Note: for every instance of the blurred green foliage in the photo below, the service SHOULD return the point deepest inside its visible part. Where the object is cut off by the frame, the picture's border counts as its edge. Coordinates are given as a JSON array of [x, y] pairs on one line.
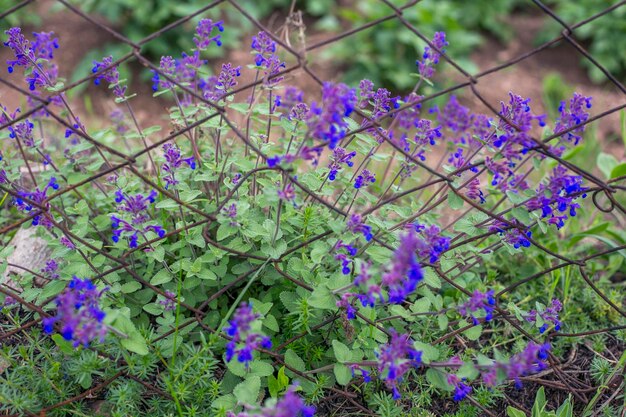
[[386, 53], [604, 37]]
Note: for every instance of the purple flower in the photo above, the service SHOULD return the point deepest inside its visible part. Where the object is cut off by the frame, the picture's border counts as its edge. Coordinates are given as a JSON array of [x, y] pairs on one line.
[[395, 359], [23, 52], [136, 207], [431, 57], [231, 213], [78, 313], [67, 243], [119, 121], [39, 197], [203, 37], [226, 80], [326, 121], [461, 390], [110, 75], [50, 270], [405, 273], [573, 115], [168, 68], [23, 131], [263, 45], [339, 156], [485, 301], [289, 100], [355, 225], [344, 257], [548, 315], [530, 360], [44, 45], [431, 244], [365, 177], [288, 193], [243, 340], [169, 302], [556, 199], [512, 235], [174, 161], [290, 405]]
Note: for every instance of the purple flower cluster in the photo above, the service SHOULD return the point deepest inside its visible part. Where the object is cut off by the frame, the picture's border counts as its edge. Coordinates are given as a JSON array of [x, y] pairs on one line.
[[338, 157], [110, 75], [42, 207], [484, 301], [364, 177], [512, 235], [50, 270], [355, 224], [290, 405], [431, 57], [173, 161], [39, 74], [431, 244], [231, 213], [293, 103], [36, 61], [265, 49], [405, 273], [572, 116], [556, 198], [244, 341], [548, 315], [395, 359], [78, 313], [203, 37], [530, 360], [136, 207], [169, 302], [326, 121], [288, 193], [343, 257], [23, 131], [461, 389]]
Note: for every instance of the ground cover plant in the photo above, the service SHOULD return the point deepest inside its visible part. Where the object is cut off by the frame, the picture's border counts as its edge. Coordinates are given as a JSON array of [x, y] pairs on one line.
[[351, 251]]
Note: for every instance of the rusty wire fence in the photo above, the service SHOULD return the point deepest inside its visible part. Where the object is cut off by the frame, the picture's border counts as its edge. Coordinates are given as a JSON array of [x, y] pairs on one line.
[[603, 193]]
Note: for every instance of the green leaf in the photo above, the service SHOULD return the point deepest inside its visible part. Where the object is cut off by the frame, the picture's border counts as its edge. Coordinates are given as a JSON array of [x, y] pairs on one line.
[[247, 392], [342, 352], [135, 341], [514, 412], [168, 203], [64, 345], [225, 230], [342, 373], [161, 277], [322, 298], [153, 308], [618, 171], [468, 370], [606, 163], [442, 320], [438, 380], [454, 201], [130, 287], [431, 278], [292, 359], [540, 402], [473, 333]]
